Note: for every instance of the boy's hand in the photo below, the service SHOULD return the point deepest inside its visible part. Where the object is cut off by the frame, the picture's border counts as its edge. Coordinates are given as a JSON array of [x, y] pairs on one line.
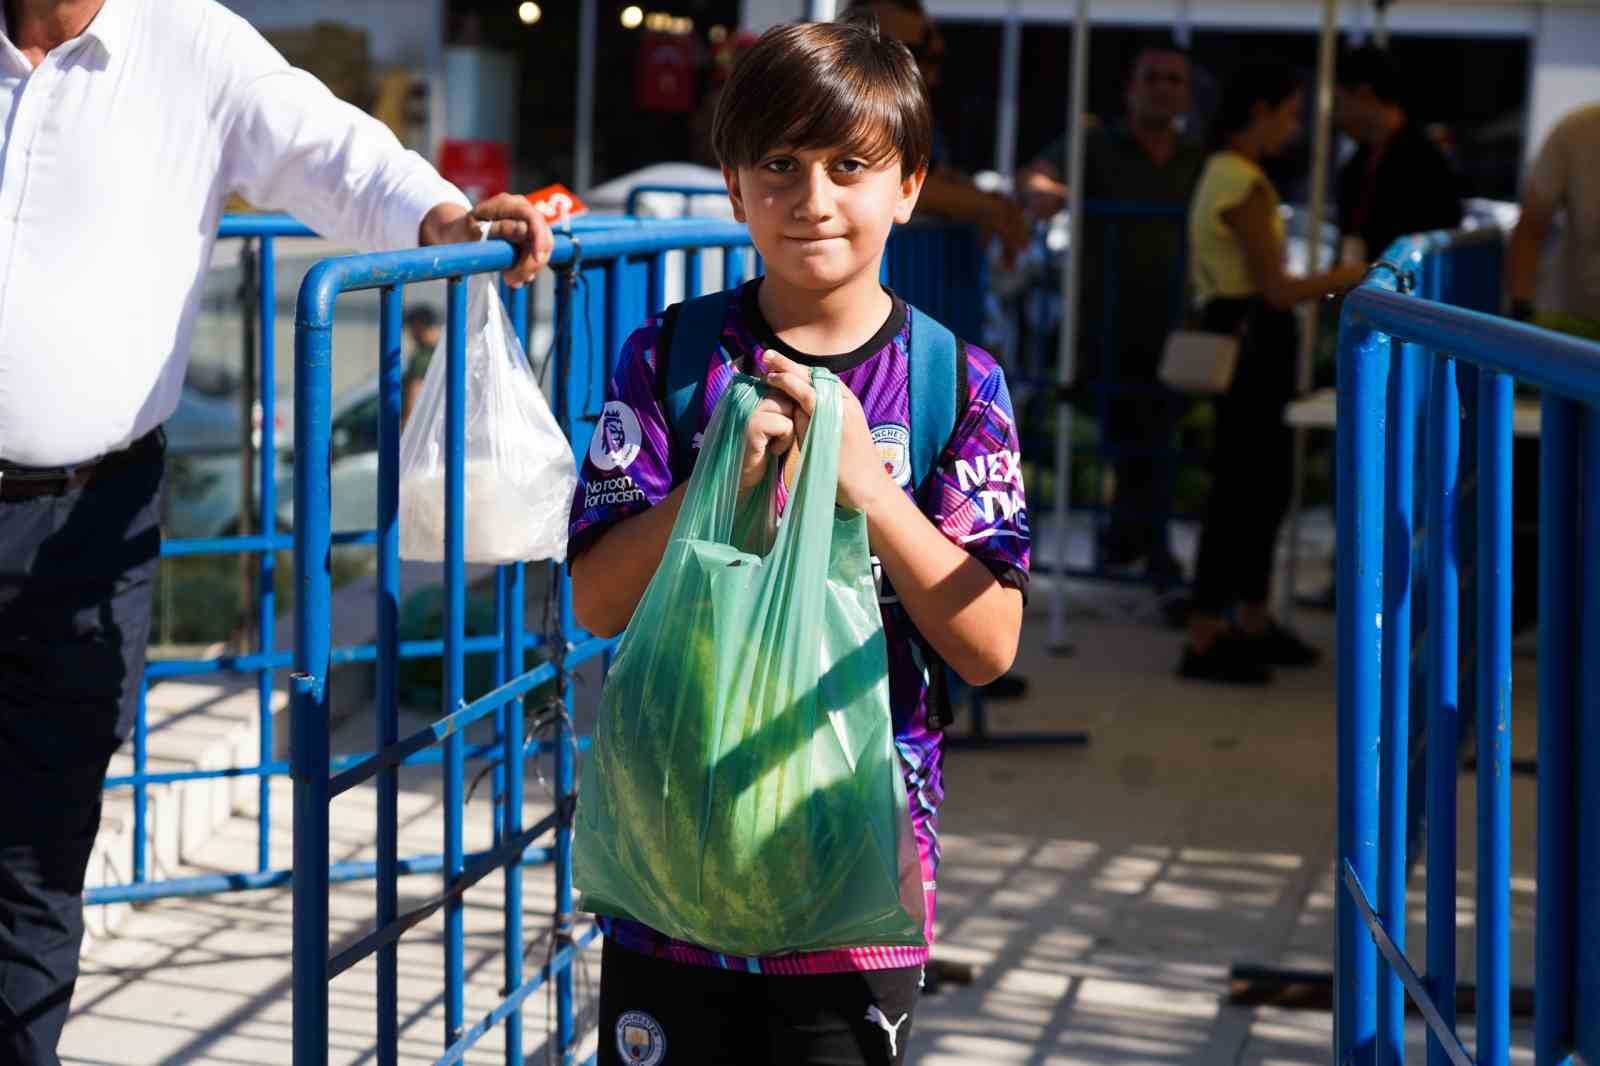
[[862, 477], [770, 432]]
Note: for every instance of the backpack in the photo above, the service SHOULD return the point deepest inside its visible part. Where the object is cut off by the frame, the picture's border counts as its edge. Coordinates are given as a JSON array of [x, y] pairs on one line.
[[937, 387]]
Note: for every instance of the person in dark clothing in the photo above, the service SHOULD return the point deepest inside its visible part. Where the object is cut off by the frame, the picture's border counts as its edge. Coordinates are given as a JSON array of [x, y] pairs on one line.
[[1399, 181], [1144, 158]]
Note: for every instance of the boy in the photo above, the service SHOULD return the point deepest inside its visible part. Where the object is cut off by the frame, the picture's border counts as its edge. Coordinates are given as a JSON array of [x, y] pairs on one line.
[[823, 132]]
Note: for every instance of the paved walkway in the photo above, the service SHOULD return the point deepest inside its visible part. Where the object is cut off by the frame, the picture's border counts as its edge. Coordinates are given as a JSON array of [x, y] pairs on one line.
[[1101, 893]]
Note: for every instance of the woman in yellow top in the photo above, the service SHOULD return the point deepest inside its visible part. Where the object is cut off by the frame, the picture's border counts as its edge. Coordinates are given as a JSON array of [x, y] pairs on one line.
[[1236, 242]]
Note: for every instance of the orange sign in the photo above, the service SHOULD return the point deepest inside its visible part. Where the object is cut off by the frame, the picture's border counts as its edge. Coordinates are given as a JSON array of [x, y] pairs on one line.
[[556, 202]]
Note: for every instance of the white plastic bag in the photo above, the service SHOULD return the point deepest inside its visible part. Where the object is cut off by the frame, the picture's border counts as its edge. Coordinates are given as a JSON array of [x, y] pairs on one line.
[[520, 474]]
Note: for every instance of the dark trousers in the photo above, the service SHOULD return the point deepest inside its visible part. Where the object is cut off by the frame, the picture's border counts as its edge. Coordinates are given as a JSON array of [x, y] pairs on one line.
[[1139, 429], [1252, 460], [75, 595], [657, 1011]]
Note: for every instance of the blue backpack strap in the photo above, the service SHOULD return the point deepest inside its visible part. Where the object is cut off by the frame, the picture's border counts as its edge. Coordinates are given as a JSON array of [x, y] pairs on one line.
[[937, 388], [690, 332], [938, 394]]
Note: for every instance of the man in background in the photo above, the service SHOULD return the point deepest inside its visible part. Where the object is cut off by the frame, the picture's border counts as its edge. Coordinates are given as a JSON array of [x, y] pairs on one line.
[[1399, 181], [947, 191], [1143, 157], [1563, 184]]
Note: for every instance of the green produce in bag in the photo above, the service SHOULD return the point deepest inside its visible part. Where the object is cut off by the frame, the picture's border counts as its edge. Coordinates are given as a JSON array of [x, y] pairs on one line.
[[743, 792]]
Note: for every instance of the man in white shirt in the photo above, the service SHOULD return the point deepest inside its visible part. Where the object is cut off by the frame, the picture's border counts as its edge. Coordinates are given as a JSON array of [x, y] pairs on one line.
[[124, 125], [1564, 180]]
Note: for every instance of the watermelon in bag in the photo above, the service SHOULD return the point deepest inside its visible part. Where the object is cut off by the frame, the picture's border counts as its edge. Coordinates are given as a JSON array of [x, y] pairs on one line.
[[744, 792]]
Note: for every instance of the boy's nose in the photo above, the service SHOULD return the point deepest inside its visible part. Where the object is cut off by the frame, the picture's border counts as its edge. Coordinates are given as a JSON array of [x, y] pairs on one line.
[[817, 202]]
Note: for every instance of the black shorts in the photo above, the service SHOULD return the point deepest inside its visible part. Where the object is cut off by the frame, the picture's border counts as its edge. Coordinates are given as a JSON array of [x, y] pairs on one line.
[[655, 1012]]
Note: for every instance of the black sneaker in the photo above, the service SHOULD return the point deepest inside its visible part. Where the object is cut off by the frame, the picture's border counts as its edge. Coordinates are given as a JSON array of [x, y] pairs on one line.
[[1230, 660], [1009, 686], [1279, 646]]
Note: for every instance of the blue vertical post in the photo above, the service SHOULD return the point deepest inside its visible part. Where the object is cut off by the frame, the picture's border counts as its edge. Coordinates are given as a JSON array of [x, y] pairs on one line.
[[693, 273], [455, 579], [512, 755], [656, 284], [1582, 930], [388, 639], [1400, 441], [1559, 578], [1443, 456], [141, 791], [1494, 719], [498, 772], [733, 271], [313, 387], [1363, 374], [266, 561], [566, 381]]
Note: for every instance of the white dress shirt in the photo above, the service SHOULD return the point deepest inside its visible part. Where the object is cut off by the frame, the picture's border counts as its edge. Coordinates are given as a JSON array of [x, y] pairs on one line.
[[116, 156]]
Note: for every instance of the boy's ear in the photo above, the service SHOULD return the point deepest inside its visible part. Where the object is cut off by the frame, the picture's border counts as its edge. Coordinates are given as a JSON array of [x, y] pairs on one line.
[[731, 179], [910, 190]]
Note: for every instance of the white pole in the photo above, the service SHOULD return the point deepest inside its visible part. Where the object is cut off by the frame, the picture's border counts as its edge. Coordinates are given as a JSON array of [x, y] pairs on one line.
[[1321, 148], [1380, 24], [1078, 108], [1183, 24], [821, 10], [1005, 134], [583, 150]]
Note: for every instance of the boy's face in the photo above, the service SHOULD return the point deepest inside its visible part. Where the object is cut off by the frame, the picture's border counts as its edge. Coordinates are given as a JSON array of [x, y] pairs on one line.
[[820, 217]]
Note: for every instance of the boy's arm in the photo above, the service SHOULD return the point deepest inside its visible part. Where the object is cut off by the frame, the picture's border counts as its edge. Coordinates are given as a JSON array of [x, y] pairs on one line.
[[610, 576], [972, 620]]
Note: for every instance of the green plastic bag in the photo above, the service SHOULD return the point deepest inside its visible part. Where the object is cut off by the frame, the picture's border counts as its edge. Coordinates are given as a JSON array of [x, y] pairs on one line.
[[743, 792]]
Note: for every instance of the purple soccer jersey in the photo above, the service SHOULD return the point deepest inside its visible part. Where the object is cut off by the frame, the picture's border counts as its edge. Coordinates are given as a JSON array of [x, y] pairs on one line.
[[978, 503]]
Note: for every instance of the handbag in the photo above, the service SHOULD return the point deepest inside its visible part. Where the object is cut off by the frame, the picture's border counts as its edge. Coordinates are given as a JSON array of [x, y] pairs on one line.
[[1199, 362]]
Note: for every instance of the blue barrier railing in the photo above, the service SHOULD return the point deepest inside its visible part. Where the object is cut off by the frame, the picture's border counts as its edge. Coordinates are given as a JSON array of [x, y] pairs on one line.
[[1107, 383], [936, 266], [626, 270], [1417, 373]]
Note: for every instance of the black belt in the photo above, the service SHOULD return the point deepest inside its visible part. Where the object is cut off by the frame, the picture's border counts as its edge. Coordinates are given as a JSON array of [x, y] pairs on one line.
[[28, 482]]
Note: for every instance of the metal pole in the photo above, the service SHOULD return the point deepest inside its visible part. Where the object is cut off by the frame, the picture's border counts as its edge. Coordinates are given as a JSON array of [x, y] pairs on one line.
[[1183, 23], [249, 389], [1005, 136], [1493, 918], [1066, 358], [1443, 650], [390, 369], [821, 10], [1380, 23], [1363, 377], [583, 149], [455, 614], [1321, 149]]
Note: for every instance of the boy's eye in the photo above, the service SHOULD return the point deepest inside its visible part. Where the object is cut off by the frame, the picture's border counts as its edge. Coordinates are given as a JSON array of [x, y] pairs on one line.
[[780, 165], [851, 166]]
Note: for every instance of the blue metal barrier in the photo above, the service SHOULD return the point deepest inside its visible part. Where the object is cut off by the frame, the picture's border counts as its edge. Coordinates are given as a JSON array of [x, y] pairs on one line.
[[1108, 386], [625, 271], [1392, 346]]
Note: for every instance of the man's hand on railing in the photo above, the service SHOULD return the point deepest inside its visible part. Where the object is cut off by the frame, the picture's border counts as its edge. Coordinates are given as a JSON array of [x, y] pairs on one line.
[[512, 218]]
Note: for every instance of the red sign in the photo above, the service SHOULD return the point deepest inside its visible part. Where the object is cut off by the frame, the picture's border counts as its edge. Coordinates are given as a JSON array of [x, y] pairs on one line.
[[557, 202], [666, 73], [480, 169]]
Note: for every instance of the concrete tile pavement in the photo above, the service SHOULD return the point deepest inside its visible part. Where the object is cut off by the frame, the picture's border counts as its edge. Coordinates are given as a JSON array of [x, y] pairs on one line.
[[1100, 893]]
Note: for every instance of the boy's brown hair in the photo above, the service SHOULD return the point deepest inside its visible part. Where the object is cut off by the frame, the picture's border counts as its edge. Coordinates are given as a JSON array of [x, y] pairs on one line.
[[822, 85]]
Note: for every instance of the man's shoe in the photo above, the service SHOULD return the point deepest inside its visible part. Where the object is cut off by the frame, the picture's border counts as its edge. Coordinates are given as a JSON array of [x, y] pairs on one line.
[[1279, 646], [1006, 687], [1229, 660]]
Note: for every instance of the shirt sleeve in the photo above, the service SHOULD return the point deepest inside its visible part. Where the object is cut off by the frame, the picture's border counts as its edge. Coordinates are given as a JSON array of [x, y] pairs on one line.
[[627, 467], [291, 145], [1548, 178], [980, 502]]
